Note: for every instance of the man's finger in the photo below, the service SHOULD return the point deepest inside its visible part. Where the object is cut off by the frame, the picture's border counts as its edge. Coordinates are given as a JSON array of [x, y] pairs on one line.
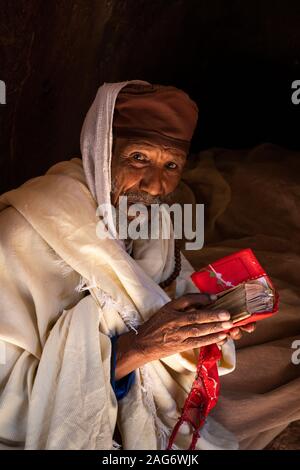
[[249, 328], [194, 331], [193, 300], [235, 333], [192, 343], [202, 316]]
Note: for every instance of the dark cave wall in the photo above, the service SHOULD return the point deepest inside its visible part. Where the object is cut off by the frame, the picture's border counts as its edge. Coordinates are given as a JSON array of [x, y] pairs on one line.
[[231, 56], [51, 55]]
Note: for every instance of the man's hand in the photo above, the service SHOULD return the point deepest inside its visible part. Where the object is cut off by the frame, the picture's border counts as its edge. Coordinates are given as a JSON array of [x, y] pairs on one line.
[[237, 332], [182, 324]]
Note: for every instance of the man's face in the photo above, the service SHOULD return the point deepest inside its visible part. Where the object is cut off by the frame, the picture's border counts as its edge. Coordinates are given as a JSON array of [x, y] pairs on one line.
[[144, 172]]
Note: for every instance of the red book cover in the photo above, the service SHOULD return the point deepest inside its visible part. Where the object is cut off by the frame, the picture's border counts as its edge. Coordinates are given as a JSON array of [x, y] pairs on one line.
[[230, 271]]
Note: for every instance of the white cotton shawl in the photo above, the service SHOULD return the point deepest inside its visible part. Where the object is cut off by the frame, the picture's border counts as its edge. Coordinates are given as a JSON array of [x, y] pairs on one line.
[[155, 257], [72, 404]]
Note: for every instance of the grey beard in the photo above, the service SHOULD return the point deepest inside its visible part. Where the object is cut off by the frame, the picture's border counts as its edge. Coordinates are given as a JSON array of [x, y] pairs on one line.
[[142, 197]]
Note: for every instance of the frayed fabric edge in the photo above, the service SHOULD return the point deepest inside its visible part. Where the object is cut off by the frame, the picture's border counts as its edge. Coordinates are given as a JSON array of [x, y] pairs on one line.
[[131, 320]]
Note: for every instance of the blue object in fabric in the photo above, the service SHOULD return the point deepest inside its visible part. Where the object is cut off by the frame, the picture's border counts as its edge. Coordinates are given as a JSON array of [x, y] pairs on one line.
[[121, 387]]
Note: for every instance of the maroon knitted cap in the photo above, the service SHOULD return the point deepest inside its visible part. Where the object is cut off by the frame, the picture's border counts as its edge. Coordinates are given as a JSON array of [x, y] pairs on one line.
[[163, 114]]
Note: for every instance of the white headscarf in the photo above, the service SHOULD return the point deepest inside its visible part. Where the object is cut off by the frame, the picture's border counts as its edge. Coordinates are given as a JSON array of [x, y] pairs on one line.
[[96, 148], [96, 140]]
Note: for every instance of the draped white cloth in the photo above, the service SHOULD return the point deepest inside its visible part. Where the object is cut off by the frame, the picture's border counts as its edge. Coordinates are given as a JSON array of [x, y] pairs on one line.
[[55, 379]]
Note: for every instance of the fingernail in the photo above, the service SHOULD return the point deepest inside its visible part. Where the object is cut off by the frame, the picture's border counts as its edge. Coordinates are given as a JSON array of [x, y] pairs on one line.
[[235, 331], [224, 316], [222, 342], [213, 297], [222, 336], [226, 324]]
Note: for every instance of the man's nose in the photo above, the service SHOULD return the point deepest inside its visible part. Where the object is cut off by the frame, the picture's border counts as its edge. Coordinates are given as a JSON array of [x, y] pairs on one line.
[[152, 183]]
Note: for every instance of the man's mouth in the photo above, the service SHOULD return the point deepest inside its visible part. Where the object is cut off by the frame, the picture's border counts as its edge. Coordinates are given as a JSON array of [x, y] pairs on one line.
[[141, 198], [137, 197], [130, 203]]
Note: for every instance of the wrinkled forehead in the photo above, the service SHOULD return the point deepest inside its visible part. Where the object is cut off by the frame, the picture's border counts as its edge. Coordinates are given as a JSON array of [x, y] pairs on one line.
[[134, 143]]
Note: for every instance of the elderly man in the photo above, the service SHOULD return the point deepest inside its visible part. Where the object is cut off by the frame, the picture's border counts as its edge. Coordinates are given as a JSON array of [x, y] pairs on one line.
[[75, 367]]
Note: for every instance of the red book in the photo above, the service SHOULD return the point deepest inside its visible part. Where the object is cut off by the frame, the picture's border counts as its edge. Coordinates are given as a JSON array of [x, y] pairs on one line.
[[230, 271], [217, 277]]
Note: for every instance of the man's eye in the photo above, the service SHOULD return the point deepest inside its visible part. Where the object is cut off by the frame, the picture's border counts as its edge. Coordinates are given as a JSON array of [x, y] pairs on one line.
[[171, 165], [139, 157]]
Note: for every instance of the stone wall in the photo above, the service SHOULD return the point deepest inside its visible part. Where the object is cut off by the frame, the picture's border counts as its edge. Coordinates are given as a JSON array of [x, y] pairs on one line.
[[232, 57]]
